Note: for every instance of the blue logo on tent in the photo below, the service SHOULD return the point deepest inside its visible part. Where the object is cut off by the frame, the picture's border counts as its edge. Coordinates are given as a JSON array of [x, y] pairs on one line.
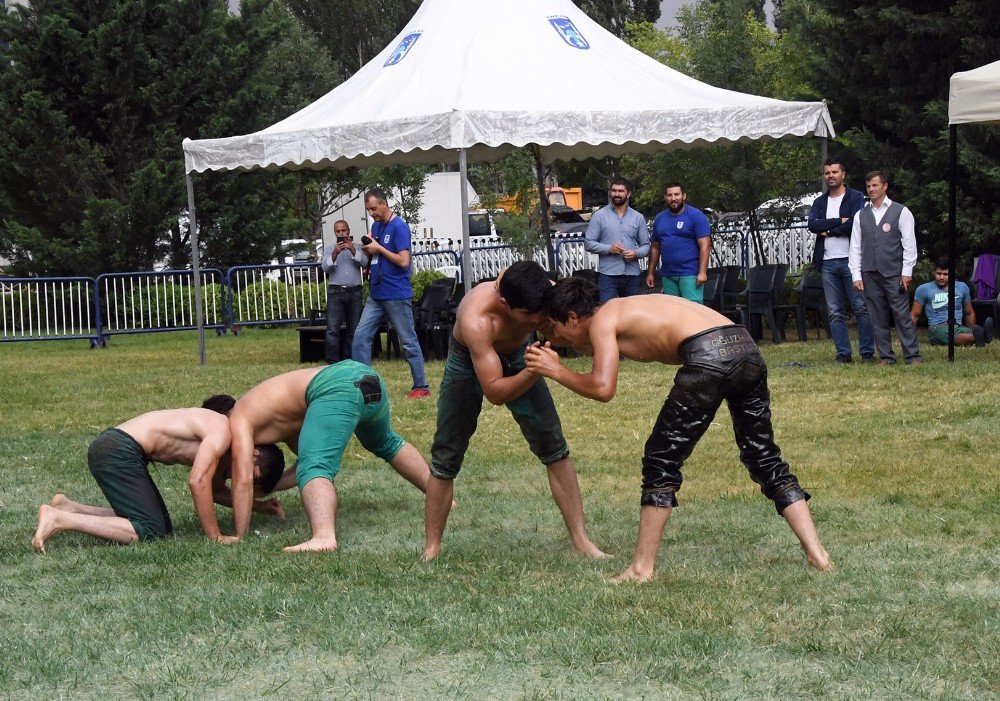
[[569, 33], [404, 47]]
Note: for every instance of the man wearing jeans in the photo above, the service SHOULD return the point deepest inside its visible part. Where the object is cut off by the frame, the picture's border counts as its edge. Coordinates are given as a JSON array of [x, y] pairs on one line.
[[342, 263], [389, 292], [618, 235], [831, 218]]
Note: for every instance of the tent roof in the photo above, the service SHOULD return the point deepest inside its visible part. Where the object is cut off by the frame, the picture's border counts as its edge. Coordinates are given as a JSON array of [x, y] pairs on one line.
[[489, 76], [974, 96]]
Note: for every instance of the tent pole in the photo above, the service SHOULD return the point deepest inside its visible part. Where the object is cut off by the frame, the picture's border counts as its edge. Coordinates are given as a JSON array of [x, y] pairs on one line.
[[952, 252], [195, 266], [543, 206], [463, 177], [823, 155]]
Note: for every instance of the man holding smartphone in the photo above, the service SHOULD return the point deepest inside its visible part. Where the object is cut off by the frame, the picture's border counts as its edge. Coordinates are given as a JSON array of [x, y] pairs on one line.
[[342, 263]]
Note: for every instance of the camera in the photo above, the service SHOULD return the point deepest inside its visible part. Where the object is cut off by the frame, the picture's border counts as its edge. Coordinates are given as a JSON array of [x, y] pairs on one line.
[[342, 239], [365, 240]]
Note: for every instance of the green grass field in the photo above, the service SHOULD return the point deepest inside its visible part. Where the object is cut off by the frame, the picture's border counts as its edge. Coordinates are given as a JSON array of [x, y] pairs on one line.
[[902, 464]]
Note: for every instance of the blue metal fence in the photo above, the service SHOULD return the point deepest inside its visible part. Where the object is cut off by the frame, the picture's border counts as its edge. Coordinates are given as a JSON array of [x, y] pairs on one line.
[[36, 309], [150, 302], [44, 309]]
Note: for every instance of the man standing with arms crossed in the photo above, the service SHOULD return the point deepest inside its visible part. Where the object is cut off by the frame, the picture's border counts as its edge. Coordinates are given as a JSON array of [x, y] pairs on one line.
[[682, 239], [883, 253], [831, 219], [618, 235], [342, 264], [389, 292]]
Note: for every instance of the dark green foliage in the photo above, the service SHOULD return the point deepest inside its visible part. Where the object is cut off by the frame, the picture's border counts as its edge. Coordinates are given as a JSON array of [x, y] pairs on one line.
[[886, 78], [98, 97], [354, 31], [614, 14]]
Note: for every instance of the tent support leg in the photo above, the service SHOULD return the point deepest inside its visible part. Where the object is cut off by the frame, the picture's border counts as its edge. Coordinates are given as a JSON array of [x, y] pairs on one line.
[[824, 145], [952, 252], [195, 267], [463, 178], [543, 208]]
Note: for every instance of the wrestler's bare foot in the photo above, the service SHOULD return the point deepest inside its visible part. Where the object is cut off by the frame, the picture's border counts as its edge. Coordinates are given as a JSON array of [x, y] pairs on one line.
[[431, 551], [47, 516], [591, 550], [820, 561], [59, 501], [314, 545], [632, 574]]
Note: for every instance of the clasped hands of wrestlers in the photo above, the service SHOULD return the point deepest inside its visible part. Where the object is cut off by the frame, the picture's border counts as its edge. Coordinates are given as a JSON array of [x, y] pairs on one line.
[[540, 359]]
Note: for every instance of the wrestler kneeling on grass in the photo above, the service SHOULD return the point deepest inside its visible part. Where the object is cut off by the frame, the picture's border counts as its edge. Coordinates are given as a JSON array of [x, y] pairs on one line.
[[118, 460], [719, 361], [315, 411]]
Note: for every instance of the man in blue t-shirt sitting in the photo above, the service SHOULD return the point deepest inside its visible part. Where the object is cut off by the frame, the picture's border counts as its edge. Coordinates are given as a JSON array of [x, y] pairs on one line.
[[931, 298], [389, 291], [681, 240]]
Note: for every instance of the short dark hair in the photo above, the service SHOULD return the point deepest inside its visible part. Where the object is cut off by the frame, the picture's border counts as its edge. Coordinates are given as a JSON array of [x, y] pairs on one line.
[[673, 184], [377, 194], [623, 182], [271, 462], [221, 403], [523, 285], [872, 174], [835, 161], [571, 294], [942, 263]]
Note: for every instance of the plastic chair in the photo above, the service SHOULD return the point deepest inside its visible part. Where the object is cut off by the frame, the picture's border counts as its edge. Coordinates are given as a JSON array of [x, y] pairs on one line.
[[432, 321]]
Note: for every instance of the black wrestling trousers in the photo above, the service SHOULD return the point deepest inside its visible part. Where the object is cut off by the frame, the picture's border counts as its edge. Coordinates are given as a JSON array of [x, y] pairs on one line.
[[721, 364]]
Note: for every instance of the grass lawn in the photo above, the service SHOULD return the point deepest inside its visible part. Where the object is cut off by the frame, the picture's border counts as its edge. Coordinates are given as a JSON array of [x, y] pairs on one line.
[[902, 464]]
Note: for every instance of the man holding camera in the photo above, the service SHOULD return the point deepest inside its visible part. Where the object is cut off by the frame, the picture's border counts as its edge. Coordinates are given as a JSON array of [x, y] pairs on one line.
[[390, 294], [342, 263]]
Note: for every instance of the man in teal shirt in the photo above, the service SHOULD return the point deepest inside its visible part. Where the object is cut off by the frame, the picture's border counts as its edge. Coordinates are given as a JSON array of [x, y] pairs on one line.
[[931, 298]]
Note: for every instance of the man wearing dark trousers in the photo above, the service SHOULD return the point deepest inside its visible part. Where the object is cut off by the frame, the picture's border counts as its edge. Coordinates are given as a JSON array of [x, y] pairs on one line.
[[831, 218], [883, 253], [342, 263]]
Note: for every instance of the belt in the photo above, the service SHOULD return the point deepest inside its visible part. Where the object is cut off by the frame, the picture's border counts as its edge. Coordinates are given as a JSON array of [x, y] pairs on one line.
[[343, 288]]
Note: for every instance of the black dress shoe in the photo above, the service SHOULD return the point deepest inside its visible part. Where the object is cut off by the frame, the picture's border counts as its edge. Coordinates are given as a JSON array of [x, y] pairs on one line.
[[843, 359], [868, 359]]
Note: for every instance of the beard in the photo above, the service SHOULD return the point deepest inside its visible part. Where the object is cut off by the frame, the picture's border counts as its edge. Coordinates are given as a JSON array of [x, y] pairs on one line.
[[675, 207], [618, 201]]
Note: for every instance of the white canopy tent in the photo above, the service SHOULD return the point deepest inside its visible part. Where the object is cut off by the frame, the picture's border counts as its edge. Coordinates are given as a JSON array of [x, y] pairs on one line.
[[973, 98], [478, 78]]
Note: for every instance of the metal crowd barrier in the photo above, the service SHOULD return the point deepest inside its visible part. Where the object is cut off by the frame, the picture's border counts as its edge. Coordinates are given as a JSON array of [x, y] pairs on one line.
[[791, 243], [130, 303], [432, 260], [274, 294], [46, 309]]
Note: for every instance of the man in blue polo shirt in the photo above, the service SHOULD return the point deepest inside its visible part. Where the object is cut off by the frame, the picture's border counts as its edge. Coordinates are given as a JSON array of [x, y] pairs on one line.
[[681, 242], [389, 292]]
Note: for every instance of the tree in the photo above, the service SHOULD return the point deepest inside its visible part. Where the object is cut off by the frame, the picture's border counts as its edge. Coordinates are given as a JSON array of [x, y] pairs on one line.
[[99, 96], [728, 44], [886, 78], [615, 15], [339, 25]]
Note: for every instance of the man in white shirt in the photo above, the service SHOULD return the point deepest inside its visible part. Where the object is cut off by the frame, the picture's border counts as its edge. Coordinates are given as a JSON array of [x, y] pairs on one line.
[[831, 218], [883, 253]]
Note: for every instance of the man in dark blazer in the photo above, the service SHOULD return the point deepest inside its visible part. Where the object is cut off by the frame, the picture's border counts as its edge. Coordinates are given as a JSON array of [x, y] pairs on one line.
[[830, 218]]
